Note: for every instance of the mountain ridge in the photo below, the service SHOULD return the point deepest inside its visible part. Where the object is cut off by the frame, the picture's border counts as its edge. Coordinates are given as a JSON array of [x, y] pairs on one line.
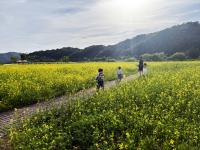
[[184, 38], [6, 57]]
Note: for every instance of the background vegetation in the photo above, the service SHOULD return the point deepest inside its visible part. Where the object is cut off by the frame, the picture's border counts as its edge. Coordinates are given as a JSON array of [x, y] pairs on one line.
[[21, 85], [158, 111]]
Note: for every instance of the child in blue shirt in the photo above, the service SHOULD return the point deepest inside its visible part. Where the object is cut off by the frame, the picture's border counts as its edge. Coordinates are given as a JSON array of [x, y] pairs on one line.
[[100, 79]]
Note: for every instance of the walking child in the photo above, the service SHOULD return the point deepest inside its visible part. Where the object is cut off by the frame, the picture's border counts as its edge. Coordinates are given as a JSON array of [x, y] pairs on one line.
[[140, 67], [119, 74], [100, 79], [145, 69]]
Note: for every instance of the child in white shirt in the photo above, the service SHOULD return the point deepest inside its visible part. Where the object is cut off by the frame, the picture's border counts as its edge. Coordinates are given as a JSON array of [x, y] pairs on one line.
[[119, 74], [145, 69]]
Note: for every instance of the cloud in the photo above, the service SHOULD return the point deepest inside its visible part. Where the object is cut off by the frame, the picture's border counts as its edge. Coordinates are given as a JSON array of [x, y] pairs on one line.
[[29, 25]]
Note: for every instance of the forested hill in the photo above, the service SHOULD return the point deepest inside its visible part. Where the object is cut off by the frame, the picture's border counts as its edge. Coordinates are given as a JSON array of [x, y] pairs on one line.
[[6, 57], [183, 38]]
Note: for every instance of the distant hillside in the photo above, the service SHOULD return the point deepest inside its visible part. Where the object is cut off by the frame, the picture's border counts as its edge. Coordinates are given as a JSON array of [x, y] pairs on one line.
[[181, 38], [52, 55], [5, 57]]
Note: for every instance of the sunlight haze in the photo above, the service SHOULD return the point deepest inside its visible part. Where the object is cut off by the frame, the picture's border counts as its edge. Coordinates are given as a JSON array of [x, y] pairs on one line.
[[30, 25]]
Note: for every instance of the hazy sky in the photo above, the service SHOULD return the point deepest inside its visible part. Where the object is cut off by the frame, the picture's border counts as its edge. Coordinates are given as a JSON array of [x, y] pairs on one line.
[[29, 25]]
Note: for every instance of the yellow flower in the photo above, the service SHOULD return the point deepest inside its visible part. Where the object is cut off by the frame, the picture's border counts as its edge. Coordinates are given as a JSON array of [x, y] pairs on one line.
[[172, 142]]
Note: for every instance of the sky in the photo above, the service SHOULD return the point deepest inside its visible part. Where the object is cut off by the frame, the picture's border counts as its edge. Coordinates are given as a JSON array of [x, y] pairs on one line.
[[32, 25]]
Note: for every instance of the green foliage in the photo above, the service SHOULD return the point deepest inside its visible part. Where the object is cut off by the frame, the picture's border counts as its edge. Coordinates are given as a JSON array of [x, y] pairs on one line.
[[159, 111], [154, 57], [66, 59], [23, 56], [178, 56], [193, 53], [5, 58], [130, 59], [13, 59]]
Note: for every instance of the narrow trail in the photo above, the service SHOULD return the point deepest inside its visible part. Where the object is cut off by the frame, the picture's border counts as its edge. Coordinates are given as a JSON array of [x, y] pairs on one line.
[[11, 117]]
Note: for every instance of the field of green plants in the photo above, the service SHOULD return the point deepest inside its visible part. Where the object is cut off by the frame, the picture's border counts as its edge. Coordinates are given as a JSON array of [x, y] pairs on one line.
[[27, 84], [159, 111]]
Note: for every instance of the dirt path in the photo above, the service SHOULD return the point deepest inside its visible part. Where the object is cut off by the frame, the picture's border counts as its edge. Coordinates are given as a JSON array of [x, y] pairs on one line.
[[10, 117]]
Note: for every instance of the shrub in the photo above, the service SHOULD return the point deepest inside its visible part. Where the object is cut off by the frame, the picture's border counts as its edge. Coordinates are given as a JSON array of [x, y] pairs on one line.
[[178, 56]]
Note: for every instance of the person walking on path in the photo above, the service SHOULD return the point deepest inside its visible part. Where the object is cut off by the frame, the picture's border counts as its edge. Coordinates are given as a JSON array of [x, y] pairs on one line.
[[140, 67], [145, 69], [119, 74], [100, 79]]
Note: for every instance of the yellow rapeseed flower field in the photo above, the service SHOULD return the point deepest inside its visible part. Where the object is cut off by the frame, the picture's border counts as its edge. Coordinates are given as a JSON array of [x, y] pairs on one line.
[[26, 84], [158, 111]]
